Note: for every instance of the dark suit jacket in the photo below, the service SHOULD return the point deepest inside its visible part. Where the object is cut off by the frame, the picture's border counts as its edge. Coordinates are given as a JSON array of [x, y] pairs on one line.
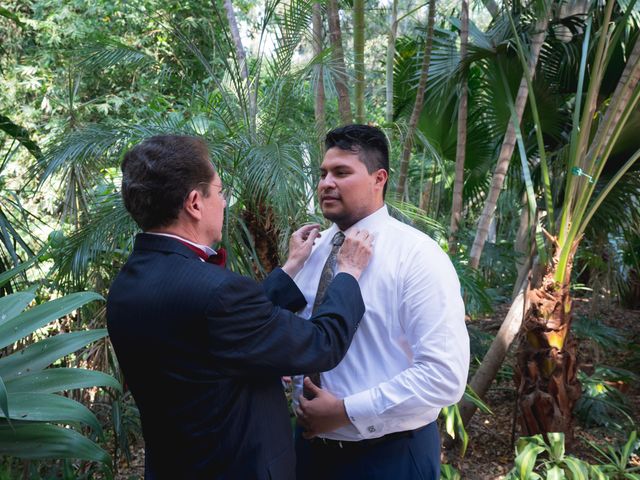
[[202, 350]]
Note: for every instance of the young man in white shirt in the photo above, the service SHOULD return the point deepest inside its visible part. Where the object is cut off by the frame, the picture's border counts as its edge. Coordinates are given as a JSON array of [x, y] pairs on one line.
[[374, 415]]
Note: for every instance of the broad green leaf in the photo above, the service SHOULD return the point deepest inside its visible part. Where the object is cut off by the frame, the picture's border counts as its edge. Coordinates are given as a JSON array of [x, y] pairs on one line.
[[40, 315], [49, 441], [4, 402], [9, 274], [522, 442], [54, 380], [579, 469], [450, 420], [555, 473], [556, 442], [628, 448], [471, 396], [596, 473], [41, 354], [526, 460], [12, 305], [47, 407], [449, 473]]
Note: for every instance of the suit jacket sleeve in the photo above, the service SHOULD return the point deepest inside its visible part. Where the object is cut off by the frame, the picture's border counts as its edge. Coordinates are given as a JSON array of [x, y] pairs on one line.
[[283, 291], [250, 335]]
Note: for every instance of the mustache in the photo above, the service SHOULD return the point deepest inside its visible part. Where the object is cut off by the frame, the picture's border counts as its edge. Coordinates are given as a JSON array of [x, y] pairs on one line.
[[329, 196]]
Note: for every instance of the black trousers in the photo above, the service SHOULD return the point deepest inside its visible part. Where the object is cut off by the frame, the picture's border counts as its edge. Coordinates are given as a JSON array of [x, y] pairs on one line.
[[412, 456]]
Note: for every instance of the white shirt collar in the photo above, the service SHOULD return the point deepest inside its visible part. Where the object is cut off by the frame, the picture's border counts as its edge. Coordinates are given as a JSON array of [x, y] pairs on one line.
[[369, 222], [205, 248]]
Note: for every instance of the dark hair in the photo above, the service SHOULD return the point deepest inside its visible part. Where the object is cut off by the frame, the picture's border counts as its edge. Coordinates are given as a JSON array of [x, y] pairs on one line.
[[370, 143], [158, 175]]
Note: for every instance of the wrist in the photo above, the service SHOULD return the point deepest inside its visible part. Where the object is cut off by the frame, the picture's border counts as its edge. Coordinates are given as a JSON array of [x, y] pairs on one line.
[[344, 418], [354, 272], [291, 268]]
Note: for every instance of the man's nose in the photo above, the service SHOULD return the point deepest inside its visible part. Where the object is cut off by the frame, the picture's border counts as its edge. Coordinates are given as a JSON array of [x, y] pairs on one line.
[[326, 182]]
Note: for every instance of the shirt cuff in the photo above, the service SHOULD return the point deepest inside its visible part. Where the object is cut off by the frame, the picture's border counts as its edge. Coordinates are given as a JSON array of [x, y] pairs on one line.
[[362, 414]]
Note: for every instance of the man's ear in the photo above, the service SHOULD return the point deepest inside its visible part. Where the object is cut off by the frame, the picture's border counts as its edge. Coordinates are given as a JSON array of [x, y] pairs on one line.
[[193, 205], [381, 178]]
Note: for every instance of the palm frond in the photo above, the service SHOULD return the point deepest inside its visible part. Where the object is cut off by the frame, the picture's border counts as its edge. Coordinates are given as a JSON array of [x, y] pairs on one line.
[[110, 231], [109, 52]]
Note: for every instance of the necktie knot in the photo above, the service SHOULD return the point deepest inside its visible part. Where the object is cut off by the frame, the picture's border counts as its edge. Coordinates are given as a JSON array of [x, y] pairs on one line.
[[338, 239]]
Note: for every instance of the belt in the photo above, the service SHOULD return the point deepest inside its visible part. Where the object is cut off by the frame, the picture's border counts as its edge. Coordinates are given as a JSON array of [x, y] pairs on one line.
[[361, 444]]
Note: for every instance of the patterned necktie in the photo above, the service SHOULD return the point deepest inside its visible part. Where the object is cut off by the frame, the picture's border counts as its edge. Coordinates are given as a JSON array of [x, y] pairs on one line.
[[328, 272]]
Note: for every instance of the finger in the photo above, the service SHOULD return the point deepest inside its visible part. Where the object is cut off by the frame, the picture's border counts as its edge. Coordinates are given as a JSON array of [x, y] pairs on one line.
[[299, 413], [312, 235], [312, 387], [305, 229]]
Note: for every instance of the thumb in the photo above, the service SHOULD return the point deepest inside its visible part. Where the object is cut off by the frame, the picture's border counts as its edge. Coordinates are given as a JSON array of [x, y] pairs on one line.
[[312, 387]]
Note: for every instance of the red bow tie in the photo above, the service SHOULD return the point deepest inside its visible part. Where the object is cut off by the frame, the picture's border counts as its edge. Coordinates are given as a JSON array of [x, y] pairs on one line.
[[219, 258]]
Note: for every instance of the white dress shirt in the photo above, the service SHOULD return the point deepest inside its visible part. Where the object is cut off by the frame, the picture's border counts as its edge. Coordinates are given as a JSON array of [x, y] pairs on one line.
[[410, 355]]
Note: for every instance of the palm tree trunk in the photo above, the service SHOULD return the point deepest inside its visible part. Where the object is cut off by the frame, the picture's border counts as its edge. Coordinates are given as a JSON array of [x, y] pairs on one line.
[[461, 143], [391, 53], [320, 96], [335, 37], [417, 106], [261, 224], [546, 369], [358, 58], [506, 151], [242, 61]]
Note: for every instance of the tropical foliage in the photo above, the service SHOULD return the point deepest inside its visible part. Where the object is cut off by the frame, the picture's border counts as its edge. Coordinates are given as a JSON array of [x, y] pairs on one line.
[[35, 419], [535, 170]]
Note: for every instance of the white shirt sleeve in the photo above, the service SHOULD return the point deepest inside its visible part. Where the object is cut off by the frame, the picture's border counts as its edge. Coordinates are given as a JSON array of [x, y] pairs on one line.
[[431, 313]]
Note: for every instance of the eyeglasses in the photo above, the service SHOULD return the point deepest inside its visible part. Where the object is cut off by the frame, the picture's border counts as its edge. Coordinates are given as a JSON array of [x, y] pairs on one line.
[[224, 192]]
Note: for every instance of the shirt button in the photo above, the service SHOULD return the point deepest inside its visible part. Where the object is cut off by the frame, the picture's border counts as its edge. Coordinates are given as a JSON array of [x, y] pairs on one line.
[[371, 428], [353, 419]]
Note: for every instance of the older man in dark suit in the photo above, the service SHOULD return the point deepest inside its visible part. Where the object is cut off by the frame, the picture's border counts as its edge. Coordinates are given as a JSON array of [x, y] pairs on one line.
[[202, 349]]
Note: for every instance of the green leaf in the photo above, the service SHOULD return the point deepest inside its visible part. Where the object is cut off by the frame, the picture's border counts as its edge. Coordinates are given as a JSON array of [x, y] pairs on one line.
[[41, 354], [47, 407], [39, 316], [629, 447], [49, 441], [12, 305], [522, 442], [4, 403], [597, 473], [579, 469], [9, 274], [555, 473], [471, 396], [526, 460], [556, 442], [11, 16], [54, 380]]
